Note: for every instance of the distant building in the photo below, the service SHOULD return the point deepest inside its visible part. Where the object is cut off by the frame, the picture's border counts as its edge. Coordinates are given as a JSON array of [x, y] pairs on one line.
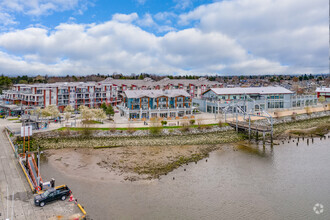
[[90, 94], [322, 91], [194, 87], [148, 104], [93, 94], [252, 99]]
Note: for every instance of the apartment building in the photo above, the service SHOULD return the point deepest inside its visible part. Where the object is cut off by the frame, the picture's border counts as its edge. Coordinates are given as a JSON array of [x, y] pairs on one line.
[[91, 94], [147, 104], [323, 91], [194, 87]]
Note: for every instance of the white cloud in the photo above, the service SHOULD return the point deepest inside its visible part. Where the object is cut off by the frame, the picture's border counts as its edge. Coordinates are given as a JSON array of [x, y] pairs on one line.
[[10, 8], [6, 19], [230, 37], [148, 22], [294, 33], [183, 4], [125, 17], [164, 16], [122, 47]]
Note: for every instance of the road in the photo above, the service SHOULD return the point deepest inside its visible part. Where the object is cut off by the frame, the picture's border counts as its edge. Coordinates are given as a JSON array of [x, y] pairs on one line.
[[12, 176]]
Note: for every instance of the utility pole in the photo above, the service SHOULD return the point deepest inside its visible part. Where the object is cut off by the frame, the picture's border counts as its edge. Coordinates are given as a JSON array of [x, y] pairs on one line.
[[24, 136], [38, 178], [249, 127], [236, 118], [28, 138]]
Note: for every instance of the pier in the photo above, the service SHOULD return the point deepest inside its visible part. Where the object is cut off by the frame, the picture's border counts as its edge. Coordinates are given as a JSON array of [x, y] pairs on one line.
[[242, 121]]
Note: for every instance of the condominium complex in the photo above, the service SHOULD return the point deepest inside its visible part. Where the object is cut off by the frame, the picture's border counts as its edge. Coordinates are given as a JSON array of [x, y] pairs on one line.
[[90, 94], [194, 87], [208, 96], [147, 104]]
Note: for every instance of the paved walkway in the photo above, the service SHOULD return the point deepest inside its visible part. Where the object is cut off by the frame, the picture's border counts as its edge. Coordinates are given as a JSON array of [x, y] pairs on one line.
[[202, 118], [12, 176]]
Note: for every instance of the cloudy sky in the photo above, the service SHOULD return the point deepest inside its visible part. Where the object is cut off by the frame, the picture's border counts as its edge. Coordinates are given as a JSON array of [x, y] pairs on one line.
[[60, 37]]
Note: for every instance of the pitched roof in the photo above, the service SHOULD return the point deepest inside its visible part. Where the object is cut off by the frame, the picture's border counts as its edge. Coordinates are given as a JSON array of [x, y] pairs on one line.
[[251, 90], [186, 82], [155, 93], [129, 82], [322, 89], [163, 82]]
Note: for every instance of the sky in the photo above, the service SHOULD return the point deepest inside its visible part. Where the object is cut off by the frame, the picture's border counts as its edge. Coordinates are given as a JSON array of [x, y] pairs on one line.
[[179, 37]]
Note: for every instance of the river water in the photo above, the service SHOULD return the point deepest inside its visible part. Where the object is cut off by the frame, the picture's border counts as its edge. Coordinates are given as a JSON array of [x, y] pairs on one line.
[[283, 182]]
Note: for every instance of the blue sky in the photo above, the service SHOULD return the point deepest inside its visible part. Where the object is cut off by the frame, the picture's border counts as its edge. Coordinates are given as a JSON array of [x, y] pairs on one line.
[[98, 11], [60, 37]]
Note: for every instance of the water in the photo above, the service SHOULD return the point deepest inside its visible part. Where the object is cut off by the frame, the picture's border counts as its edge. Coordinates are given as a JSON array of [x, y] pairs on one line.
[[252, 183]]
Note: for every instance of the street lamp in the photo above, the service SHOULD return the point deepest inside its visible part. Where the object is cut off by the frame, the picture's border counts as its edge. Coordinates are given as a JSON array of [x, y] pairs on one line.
[[38, 178]]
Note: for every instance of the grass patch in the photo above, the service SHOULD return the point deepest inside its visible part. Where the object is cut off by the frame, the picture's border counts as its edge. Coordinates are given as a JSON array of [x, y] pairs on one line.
[[302, 124], [13, 119], [157, 171], [320, 130], [102, 147]]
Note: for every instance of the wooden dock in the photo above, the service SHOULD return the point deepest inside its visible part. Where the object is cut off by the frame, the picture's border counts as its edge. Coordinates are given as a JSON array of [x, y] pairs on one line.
[[245, 126]]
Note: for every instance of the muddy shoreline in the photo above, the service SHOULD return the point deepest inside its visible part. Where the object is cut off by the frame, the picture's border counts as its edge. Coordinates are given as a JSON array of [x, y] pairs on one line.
[[149, 158], [127, 163]]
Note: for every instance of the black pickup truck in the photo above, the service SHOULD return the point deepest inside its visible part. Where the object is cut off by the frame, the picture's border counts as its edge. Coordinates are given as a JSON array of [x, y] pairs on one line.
[[52, 194]]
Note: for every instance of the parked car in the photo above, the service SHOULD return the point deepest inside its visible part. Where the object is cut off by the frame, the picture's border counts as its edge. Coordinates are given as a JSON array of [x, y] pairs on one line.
[[52, 194]]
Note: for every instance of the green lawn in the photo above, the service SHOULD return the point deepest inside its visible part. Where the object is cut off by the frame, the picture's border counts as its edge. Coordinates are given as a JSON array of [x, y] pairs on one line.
[[13, 119]]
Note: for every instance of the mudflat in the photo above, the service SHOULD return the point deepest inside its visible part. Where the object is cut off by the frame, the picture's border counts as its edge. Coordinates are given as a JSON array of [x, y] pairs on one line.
[[126, 163]]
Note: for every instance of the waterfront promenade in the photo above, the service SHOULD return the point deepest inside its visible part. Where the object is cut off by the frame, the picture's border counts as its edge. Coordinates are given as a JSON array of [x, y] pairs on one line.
[[12, 176]]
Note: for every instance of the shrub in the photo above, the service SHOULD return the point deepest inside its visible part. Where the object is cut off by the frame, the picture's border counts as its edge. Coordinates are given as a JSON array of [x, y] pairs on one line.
[[112, 130], [131, 130], [308, 110], [155, 130], [87, 132], [184, 128], [192, 121], [220, 124], [164, 122], [207, 127], [66, 131]]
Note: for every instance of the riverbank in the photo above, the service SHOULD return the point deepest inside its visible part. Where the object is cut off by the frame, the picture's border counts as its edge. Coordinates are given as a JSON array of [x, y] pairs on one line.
[[147, 157], [309, 127]]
